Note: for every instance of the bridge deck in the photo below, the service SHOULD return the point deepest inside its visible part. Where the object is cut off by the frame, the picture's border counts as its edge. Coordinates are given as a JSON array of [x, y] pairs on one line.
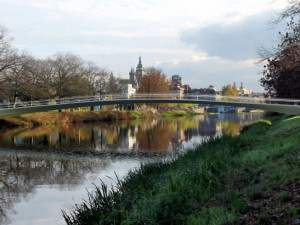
[[274, 105]]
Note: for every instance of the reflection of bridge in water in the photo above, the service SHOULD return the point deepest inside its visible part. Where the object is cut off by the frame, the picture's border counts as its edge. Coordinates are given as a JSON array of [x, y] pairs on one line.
[[288, 106]]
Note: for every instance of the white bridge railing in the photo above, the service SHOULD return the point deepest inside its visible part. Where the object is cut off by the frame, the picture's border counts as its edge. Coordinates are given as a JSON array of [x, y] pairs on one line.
[[211, 98]]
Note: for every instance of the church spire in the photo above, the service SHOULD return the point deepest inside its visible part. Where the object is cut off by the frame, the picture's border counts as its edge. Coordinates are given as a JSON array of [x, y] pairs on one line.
[[140, 65]]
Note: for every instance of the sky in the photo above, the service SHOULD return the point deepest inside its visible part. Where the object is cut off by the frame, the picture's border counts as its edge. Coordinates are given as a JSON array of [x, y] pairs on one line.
[[206, 42]]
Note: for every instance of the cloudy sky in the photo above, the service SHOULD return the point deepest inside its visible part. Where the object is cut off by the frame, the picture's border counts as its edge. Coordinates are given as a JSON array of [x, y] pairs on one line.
[[204, 41]]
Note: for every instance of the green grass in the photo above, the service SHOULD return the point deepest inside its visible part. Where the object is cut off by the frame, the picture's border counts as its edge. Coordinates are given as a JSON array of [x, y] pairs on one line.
[[216, 183]]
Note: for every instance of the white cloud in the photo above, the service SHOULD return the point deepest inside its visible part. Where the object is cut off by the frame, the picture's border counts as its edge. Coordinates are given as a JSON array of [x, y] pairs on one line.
[[114, 33], [237, 40], [127, 34]]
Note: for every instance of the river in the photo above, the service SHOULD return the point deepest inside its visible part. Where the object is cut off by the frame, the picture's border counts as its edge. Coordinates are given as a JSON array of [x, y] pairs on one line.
[[45, 170]]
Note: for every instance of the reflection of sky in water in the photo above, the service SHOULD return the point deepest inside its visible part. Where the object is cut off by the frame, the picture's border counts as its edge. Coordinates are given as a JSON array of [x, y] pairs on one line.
[[55, 200], [52, 174]]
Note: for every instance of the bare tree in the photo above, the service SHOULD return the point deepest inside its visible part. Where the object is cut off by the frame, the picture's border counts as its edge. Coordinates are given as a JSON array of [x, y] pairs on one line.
[[97, 78], [45, 76], [61, 75], [291, 11], [68, 72], [7, 53], [14, 77]]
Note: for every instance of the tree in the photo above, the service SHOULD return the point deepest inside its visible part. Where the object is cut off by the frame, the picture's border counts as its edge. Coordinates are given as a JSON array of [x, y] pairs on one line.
[[113, 86], [229, 91], [14, 77], [45, 76], [62, 75], [97, 78], [68, 75], [7, 53], [281, 75], [153, 82]]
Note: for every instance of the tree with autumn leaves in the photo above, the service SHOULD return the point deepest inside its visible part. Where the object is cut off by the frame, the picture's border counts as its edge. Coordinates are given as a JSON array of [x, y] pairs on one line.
[[281, 75], [154, 82], [229, 91]]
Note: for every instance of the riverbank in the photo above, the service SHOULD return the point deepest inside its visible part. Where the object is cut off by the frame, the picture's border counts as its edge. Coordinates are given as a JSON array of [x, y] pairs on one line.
[[67, 117], [253, 178]]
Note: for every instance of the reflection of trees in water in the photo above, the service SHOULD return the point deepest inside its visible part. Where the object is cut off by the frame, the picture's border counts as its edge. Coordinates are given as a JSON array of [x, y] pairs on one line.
[[155, 139], [234, 122], [126, 135], [230, 128], [21, 173]]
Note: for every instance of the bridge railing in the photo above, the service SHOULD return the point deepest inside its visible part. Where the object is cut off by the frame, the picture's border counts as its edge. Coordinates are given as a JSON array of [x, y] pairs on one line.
[[95, 98]]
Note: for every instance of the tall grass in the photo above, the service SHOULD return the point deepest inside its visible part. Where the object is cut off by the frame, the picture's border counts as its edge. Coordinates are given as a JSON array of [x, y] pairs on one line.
[[196, 188], [163, 192]]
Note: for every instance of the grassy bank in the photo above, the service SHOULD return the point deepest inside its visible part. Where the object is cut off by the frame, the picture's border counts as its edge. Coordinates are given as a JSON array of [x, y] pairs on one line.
[[65, 117], [253, 178]]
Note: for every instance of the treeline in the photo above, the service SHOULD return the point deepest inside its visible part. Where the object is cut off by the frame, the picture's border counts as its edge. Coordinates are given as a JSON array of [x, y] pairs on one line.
[[61, 75]]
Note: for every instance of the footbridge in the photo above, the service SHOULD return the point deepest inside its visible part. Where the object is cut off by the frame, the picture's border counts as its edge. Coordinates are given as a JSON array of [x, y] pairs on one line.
[[288, 106]]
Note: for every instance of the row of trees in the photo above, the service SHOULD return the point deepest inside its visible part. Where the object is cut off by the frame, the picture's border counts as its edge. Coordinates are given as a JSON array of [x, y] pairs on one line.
[[281, 75], [62, 75]]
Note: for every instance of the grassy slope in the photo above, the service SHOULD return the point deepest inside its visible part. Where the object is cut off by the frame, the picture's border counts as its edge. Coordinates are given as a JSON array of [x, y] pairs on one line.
[[250, 179]]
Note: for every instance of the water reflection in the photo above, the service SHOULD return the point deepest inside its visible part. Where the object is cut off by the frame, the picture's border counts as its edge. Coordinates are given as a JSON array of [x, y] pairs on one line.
[[127, 136], [52, 157]]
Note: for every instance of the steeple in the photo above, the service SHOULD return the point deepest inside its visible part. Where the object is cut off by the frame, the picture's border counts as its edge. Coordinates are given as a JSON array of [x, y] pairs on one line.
[[139, 70], [140, 65]]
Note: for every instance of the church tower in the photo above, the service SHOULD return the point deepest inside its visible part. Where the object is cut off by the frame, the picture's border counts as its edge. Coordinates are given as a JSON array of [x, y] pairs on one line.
[[132, 77], [140, 72]]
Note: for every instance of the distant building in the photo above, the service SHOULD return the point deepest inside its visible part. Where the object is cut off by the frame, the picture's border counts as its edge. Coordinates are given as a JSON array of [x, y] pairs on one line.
[[135, 77], [176, 81], [243, 91], [176, 85], [130, 86], [127, 88], [204, 91], [212, 87], [187, 89]]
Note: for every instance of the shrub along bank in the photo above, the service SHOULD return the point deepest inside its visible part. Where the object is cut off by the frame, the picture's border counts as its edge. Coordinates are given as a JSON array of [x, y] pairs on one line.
[[253, 178], [67, 116]]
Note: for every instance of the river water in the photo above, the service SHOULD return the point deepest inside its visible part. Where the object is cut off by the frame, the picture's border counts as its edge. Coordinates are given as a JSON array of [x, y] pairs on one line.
[[45, 170]]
